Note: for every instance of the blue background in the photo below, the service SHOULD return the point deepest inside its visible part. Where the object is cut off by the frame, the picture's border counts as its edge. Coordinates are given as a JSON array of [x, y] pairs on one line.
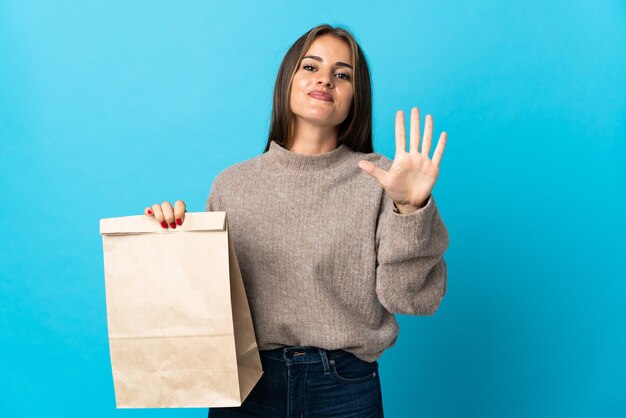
[[107, 107]]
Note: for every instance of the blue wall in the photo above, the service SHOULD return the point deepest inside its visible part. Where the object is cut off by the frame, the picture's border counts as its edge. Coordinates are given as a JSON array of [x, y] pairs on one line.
[[106, 107]]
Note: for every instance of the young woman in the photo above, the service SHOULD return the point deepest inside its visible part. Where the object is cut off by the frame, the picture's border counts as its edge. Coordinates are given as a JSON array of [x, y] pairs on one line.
[[332, 239]]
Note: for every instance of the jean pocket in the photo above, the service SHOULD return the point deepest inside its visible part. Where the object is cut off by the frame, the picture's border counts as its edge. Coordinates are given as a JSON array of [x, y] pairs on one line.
[[351, 369]]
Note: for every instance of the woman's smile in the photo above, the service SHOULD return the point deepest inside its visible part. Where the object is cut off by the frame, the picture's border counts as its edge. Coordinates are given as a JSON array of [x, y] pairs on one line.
[[320, 95]]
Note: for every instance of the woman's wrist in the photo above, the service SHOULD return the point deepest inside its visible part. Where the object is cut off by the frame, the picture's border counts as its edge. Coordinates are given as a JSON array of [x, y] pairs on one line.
[[405, 209]]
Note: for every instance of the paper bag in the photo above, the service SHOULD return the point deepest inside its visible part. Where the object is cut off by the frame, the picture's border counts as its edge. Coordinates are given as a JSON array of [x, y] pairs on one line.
[[180, 329]]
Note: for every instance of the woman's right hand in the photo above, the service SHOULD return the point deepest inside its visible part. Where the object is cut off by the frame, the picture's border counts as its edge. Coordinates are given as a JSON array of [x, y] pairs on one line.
[[165, 215]]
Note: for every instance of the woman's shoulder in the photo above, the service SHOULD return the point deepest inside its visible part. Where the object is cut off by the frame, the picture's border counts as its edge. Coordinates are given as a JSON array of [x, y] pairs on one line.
[[234, 173], [240, 167]]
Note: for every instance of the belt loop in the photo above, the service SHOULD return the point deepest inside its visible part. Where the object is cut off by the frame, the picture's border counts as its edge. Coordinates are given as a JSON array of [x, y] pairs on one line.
[[324, 360]]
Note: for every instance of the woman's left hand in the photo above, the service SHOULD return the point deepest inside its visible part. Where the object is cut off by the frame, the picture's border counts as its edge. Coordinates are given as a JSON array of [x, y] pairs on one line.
[[412, 176]]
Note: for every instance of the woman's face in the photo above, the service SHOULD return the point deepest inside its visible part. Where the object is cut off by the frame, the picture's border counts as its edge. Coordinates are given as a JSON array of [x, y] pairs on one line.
[[321, 90]]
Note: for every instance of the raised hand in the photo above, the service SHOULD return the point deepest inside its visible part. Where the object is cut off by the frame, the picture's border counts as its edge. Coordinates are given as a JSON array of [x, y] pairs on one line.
[[165, 215], [412, 176]]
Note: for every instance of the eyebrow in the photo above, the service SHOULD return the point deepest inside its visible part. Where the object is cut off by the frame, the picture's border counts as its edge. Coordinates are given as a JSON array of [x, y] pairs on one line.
[[338, 63]]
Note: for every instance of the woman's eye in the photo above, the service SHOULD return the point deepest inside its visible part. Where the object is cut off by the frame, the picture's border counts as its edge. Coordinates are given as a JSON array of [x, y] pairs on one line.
[[310, 67]]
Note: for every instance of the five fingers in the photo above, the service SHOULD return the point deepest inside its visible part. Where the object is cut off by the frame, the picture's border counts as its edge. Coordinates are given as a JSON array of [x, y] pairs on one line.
[[166, 215], [415, 136]]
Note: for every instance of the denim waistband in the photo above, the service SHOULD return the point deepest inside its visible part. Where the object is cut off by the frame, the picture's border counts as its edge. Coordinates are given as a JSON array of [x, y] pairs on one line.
[[302, 354]]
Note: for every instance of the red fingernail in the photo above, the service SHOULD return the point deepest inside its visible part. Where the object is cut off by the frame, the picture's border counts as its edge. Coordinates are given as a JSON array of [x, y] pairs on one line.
[[164, 224], [149, 212], [179, 222], [173, 225]]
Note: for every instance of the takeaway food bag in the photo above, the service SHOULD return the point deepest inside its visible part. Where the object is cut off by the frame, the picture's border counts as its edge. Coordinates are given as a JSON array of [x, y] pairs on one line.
[[180, 329]]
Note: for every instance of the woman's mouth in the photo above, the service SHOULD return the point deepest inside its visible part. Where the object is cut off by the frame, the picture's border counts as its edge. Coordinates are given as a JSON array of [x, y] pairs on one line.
[[320, 95]]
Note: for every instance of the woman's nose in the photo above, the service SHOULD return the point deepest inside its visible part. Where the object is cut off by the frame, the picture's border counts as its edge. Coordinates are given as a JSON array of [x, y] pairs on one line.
[[324, 80]]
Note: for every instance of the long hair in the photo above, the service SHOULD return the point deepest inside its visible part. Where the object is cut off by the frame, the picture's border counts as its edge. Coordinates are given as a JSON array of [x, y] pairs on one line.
[[356, 130]]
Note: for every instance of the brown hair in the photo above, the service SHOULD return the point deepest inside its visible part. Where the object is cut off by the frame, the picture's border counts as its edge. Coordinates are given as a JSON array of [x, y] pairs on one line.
[[356, 130]]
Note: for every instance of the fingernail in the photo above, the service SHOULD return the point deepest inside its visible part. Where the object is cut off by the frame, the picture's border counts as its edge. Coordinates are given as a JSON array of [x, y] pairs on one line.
[[164, 224], [173, 225], [179, 221], [149, 212]]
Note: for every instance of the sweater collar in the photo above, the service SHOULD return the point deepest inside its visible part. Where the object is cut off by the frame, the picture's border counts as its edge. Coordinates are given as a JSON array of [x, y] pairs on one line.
[[304, 162]]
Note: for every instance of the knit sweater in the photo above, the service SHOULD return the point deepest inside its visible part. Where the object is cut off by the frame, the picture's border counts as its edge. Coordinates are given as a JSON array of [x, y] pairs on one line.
[[325, 259]]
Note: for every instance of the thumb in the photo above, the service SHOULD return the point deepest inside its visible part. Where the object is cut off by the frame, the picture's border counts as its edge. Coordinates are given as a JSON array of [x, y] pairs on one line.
[[373, 170]]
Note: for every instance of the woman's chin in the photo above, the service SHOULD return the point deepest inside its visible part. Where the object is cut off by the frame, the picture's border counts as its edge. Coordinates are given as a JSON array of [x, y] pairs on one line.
[[319, 118]]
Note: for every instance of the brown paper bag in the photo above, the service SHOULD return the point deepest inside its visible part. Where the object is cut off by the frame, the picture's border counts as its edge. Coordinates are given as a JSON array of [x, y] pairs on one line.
[[180, 329]]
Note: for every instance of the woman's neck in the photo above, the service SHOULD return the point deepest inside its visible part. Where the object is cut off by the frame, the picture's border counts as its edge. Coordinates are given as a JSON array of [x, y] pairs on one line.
[[312, 139]]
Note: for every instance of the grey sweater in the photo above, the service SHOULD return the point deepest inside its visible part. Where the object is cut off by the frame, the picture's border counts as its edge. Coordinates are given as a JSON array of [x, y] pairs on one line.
[[325, 259]]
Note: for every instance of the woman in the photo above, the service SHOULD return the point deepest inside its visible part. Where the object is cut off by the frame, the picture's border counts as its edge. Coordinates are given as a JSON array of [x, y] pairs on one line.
[[332, 239]]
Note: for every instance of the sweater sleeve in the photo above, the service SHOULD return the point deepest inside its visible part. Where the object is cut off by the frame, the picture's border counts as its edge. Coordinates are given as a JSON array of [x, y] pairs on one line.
[[411, 273], [213, 201]]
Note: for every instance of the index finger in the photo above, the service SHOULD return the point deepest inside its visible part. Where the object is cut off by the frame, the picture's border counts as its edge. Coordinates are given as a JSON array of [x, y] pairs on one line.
[[179, 211], [400, 132]]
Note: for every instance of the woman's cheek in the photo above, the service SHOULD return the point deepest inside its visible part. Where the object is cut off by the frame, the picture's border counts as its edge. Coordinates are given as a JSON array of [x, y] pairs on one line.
[[347, 103]]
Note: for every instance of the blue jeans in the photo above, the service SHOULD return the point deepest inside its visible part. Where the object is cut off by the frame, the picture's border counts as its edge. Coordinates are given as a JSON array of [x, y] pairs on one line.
[[310, 382]]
